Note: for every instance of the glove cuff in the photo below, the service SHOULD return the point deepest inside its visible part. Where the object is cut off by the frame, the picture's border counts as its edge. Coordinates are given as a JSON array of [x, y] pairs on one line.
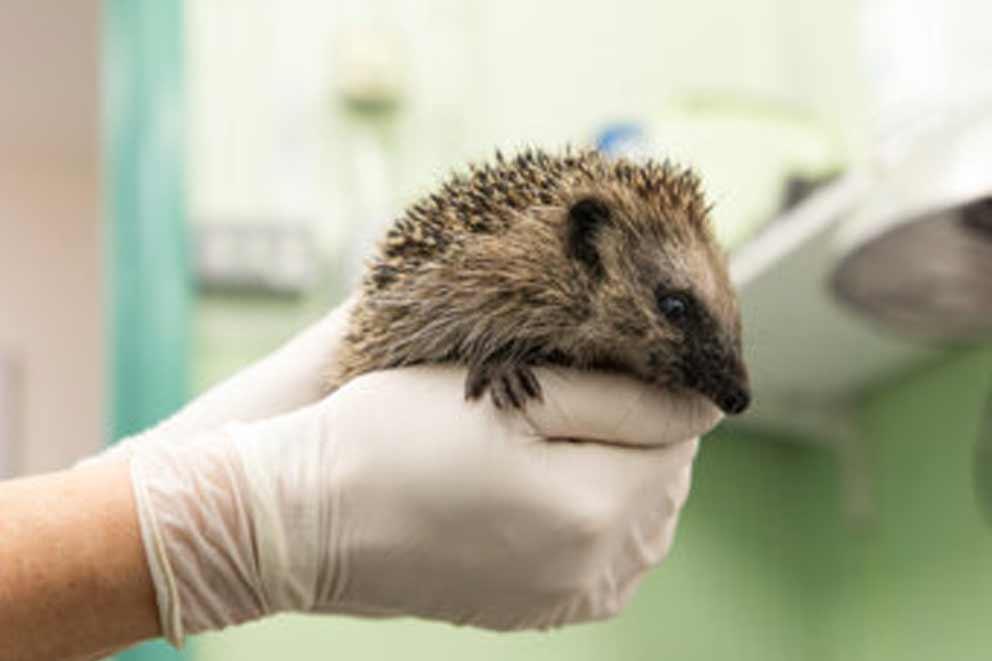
[[166, 593], [198, 538]]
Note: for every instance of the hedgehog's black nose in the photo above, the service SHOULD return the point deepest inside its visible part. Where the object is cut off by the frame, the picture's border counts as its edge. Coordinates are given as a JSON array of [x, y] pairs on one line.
[[734, 401]]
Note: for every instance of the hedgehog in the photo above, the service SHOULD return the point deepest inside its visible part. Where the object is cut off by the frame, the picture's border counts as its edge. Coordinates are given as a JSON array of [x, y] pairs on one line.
[[570, 259]]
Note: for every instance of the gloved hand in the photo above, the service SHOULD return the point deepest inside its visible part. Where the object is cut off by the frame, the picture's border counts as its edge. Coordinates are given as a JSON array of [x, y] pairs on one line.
[[394, 496]]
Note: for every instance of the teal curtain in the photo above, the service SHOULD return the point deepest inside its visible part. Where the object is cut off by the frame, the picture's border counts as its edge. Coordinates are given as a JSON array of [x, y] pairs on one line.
[[150, 293]]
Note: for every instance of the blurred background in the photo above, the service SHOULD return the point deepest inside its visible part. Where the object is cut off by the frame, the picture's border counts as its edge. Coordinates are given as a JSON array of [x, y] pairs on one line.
[[185, 184]]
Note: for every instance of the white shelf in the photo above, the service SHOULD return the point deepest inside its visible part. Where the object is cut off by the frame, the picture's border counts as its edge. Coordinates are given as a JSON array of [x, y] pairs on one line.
[[808, 354]]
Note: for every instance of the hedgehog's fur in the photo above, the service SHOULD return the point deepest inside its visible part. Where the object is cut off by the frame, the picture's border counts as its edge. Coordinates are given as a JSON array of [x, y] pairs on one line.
[[553, 259]]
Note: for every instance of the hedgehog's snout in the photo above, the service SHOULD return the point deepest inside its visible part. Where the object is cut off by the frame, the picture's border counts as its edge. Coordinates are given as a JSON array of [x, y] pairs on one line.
[[734, 400], [731, 389], [722, 377]]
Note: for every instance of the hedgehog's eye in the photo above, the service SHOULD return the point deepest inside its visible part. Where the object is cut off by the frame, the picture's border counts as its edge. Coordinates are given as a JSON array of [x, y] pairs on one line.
[[674, 306]]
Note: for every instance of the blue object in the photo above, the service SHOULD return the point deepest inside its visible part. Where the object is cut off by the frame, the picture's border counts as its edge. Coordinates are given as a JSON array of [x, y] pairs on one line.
[[622, 139]]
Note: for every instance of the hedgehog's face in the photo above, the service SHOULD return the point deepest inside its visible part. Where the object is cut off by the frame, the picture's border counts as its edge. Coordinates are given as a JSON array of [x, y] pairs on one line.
[[663, 306]]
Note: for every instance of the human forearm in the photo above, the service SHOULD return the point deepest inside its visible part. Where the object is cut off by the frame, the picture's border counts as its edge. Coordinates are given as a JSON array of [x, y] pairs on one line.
[[73, 576]]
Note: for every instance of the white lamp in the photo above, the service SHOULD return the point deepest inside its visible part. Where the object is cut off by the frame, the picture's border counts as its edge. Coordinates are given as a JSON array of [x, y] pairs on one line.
[[917, 258]]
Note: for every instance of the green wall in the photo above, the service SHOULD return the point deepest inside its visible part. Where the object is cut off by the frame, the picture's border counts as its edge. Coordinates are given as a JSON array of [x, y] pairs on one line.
[[918, 584], [915, 580], [144, 121]]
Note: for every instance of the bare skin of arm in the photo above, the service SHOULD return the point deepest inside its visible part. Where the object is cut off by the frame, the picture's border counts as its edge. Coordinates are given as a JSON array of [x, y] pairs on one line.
[[74, 583]]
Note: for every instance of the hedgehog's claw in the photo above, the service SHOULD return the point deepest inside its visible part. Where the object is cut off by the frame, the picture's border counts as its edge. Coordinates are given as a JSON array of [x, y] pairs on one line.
[[476, 383], [510, 386], [529, 383]]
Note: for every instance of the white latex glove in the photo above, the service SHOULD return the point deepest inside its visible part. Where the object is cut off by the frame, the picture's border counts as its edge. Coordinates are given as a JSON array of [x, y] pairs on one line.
[[394, 496]]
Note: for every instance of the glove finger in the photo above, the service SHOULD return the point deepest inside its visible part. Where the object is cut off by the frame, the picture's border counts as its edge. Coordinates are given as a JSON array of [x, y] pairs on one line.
[[627, 476], [611, 408]]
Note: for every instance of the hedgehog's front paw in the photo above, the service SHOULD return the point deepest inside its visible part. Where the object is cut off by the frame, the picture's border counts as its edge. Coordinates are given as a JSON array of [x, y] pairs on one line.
[[509, 385]]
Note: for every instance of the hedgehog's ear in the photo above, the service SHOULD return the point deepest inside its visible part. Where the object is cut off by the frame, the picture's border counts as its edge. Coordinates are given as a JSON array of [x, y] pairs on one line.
[[585, 218]]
